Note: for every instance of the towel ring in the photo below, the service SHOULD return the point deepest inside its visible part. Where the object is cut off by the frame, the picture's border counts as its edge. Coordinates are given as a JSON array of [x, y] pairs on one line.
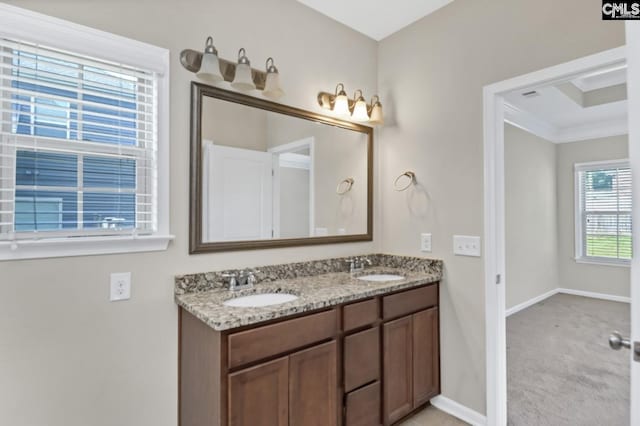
[[412, 180], [345, 186]]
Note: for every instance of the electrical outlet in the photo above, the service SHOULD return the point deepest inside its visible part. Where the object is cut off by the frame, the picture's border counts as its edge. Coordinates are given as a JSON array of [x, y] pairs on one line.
[[464, 245], [120, 286], [425, 242]]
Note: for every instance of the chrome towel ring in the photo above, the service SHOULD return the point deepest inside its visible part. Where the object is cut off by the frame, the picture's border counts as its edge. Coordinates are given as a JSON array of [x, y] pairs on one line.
[[411, 180], [345, 186]]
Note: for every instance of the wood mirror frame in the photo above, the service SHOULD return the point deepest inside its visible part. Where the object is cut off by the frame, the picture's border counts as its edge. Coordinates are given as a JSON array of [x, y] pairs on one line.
[[196, 243]]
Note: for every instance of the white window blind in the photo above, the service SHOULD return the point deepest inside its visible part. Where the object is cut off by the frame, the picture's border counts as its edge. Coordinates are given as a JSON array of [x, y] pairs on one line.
[[78, 153], [604, 203]]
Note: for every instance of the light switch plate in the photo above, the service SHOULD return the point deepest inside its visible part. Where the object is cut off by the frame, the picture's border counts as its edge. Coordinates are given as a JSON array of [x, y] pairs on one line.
[[465, 245], [120, 286], [425, 242]]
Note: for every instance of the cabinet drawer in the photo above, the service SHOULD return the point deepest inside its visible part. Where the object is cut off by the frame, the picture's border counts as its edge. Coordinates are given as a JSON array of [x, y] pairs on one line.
[[360, 314], [363, 406], [262, 342], [409, 301], [361, 358]]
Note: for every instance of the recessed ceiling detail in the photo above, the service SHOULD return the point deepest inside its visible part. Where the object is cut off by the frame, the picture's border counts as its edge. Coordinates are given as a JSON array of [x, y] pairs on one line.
[[376, 18], [602, 79], [589, 107]]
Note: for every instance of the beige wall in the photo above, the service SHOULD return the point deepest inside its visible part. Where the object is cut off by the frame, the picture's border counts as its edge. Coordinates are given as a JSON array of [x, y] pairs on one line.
[[431, 76], [294, 211], [613, 280], [531, 216], [69, 357]]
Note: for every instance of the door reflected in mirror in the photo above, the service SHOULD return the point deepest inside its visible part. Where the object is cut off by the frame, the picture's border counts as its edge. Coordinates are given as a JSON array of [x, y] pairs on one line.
[[271, 173]]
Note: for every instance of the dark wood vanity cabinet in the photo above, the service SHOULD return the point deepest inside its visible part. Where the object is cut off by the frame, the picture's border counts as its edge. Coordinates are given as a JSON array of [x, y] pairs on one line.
[[260, 395], [426, 356], [313, 386], [411, 351], [411, 363], [300, 389], [398, 371], [367, 363]]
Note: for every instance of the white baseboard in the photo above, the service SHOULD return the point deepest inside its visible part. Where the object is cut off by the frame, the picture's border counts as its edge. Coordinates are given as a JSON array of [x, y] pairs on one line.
[[455, 409], [525, 305], [595, 295]]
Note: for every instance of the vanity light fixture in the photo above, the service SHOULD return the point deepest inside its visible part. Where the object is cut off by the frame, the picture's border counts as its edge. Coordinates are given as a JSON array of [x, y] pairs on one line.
[[210, 67], [341, 101], [356, 108], [242, 79], [375, 111], [360, 112], [272, 87]]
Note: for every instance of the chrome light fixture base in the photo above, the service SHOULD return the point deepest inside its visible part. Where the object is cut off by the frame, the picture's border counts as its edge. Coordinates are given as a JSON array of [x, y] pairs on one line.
[[373, 117], [191, 60]]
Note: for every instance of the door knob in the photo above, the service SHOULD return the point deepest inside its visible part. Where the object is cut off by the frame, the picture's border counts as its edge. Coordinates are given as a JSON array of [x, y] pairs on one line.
[[616, 341]]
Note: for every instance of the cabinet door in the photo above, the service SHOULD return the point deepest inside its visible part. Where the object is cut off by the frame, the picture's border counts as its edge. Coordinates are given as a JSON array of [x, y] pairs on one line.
[[258, 396], [313, 386], [363, 406], [397, 365], [426, 362]]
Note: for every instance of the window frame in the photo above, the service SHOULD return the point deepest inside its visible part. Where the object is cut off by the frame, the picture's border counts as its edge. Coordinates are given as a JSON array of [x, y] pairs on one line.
[[580, 245], [22, 24]]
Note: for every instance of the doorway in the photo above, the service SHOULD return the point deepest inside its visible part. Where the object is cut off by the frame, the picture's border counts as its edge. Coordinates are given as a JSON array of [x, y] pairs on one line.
[[568, 250], [495, 218]]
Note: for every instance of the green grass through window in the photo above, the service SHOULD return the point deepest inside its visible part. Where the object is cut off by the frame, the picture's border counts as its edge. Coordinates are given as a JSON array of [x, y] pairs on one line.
[[607, 246]]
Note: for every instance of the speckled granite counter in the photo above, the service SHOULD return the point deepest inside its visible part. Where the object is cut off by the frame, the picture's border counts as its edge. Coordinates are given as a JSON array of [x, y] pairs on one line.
[[317, 284]]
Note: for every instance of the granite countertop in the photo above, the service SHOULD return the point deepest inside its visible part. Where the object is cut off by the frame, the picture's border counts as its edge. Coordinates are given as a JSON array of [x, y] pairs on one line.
[[313, 291]]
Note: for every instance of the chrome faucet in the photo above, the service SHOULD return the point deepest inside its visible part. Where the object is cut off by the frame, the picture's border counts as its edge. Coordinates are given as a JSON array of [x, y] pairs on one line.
[[357, 264], [241, 280]]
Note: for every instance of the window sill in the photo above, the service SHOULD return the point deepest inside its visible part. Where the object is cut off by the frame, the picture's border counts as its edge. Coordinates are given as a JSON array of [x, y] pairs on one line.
[[603, 262], [90, 246]]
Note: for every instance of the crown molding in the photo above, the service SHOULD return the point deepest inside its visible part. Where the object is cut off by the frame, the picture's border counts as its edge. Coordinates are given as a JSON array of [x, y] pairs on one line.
[[599, 129]]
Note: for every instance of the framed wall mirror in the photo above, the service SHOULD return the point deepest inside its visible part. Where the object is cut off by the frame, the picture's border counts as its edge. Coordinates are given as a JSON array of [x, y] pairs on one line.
[[266, 175]]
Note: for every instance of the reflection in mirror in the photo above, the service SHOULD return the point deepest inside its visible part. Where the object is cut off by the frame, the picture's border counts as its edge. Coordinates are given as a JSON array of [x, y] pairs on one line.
[[269, 175]]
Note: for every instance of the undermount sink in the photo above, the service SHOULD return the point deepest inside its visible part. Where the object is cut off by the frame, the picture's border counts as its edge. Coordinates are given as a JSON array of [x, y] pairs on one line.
[[381, 277], [258, 300]]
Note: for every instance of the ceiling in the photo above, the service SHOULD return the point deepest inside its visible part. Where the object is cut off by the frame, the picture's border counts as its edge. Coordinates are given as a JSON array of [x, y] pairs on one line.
[[599, 80], [376, 18], [566, 112]]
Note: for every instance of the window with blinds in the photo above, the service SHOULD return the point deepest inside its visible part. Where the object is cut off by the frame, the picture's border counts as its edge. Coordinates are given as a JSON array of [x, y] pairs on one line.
[[78, 152], [604, 211]]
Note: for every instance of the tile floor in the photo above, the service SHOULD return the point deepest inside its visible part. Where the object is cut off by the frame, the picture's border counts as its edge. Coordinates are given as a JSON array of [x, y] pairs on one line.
[[431, 416]]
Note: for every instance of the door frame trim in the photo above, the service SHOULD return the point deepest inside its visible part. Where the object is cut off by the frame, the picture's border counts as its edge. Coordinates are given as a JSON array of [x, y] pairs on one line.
[[309, 142], [494, 213], [633, 86]]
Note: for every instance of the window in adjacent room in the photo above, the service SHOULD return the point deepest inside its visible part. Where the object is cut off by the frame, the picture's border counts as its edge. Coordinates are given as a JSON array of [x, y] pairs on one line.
[[603, 212], [79, 150]]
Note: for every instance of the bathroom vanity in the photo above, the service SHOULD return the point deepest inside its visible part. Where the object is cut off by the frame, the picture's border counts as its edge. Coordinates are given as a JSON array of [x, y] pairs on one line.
[[345, 352]]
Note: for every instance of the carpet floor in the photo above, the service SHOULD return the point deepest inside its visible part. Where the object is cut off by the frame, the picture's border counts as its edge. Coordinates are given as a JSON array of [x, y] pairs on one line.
[[560, 369]]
